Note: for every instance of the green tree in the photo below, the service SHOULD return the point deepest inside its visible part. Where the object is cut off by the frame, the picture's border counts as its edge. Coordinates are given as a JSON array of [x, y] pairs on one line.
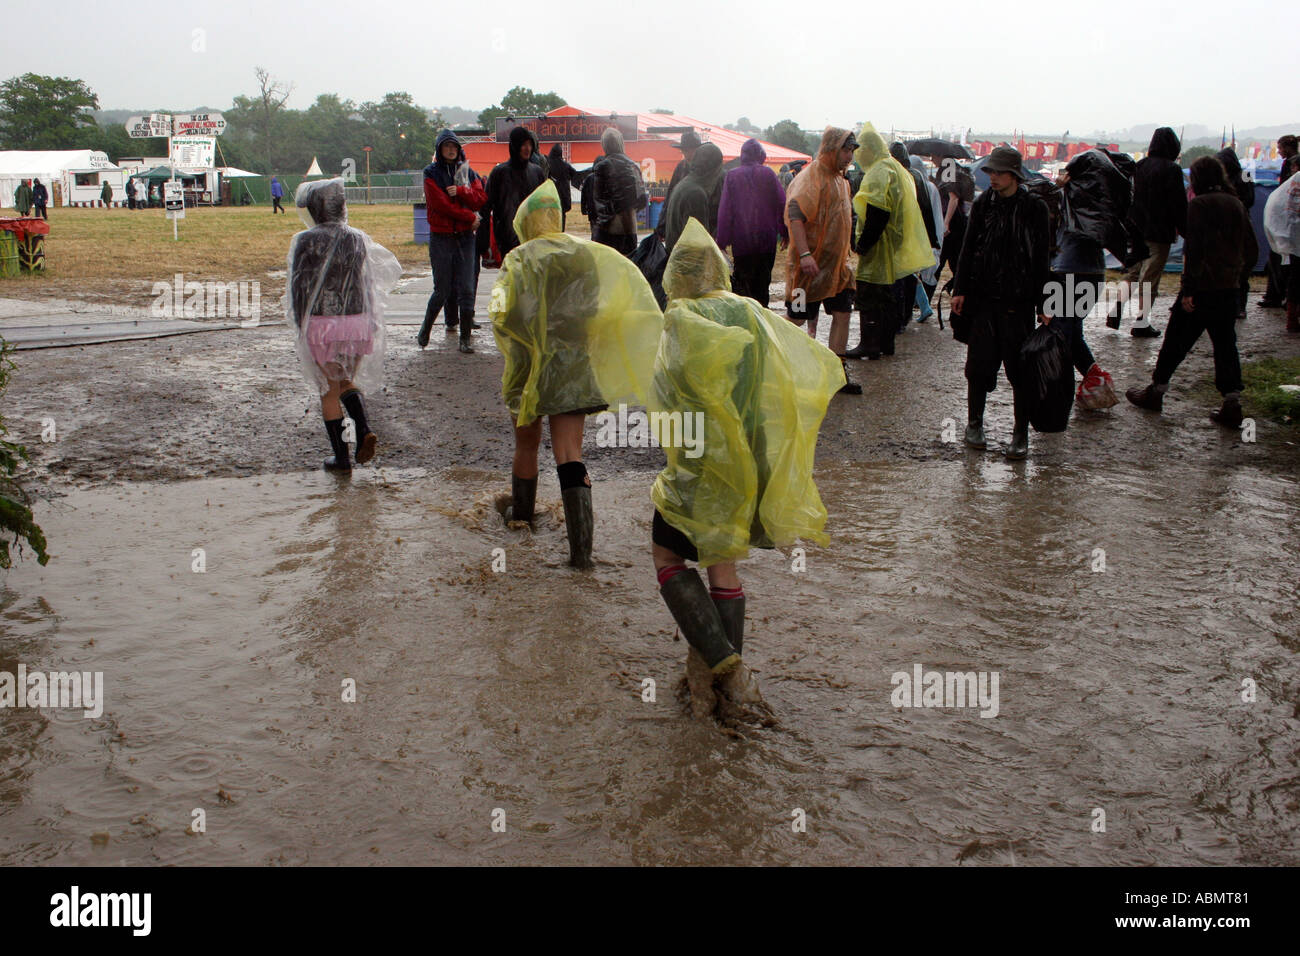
[[666, 112], [786, 133], [16, 522], [334, 130], [400, 132], [521, 101], [1196, 152], [46, 112], [743, 125]]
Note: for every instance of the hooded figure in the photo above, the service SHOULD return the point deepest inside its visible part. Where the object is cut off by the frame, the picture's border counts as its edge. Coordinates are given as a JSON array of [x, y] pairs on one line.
[[698, 196], [337, 280], [23, 198], [564, 176], [578, 327], [930, 276], [106, 194], [1232, 166], [510, 183], [903, 247], [453, 194], [751, 210], [822, 194], [617, 193], [758, 388]]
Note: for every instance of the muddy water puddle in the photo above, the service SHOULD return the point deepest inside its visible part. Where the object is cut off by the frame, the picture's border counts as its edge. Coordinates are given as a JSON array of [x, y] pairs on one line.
[[1121, 610]]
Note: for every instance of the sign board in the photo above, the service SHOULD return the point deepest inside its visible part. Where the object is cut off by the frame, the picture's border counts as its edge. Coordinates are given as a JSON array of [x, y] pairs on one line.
[[99, 160], [198, 124], [174, 199], [193, 152], [584, 128], [155, 125]]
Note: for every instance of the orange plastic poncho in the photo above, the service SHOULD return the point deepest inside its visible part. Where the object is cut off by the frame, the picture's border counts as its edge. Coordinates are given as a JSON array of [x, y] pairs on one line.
[[822, 193]]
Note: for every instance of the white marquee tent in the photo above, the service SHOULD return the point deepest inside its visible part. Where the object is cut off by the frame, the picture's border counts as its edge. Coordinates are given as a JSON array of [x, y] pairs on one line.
[[74, 176]]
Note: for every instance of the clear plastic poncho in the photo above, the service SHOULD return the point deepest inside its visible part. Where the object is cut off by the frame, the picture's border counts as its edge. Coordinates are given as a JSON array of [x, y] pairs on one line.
[[1282, 219], [762, 387], [904, 247], [335, 270], [575, 320]]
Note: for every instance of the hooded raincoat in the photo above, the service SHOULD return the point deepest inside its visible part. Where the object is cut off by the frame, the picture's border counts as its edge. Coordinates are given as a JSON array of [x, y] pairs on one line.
[[447, 214], [903, 248], [1159, 196], [751, 211], [508, 185], [1282, 220], [697, 197], [822, 194], [337, 280], [575, 321], [23, 198], [762, 387]]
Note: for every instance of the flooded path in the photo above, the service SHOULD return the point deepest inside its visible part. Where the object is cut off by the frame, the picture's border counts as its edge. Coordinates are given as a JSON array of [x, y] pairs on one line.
[[1119, 689]]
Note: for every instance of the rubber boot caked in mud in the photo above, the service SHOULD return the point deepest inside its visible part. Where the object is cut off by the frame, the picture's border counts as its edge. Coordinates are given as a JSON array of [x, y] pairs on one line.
[[523, 498], [366, 440], [340, 462], [699, 685], [689, 602], [739, 698], [578, 522]]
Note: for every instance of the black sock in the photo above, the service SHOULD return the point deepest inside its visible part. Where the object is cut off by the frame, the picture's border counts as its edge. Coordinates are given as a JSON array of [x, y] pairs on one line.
[[572, 474]]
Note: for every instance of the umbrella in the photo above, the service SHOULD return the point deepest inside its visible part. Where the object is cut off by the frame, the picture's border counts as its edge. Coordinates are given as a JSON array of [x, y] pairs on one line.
[[939, 148]]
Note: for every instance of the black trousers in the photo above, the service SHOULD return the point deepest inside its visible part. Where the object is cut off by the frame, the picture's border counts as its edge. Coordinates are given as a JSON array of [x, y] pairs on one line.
[[40, 211], [623, 243], [753, 276], [1277, 278], [997, 334], [878, 309], [1216, 313]]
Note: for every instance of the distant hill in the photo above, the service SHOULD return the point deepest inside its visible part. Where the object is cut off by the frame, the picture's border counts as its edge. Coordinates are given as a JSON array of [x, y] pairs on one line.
[[459, 116]]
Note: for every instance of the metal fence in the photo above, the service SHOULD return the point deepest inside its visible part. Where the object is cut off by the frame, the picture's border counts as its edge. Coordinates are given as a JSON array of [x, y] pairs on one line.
[[360, 195]]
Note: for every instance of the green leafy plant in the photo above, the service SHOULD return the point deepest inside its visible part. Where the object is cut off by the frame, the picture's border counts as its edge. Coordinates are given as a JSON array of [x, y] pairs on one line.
[[15, 508]]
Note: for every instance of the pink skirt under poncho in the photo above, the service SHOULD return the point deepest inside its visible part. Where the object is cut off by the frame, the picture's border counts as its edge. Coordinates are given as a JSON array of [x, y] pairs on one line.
[[340, 340]]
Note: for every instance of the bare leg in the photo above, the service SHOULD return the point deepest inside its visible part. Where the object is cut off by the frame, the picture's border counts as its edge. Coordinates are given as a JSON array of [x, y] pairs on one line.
[[528, 440], [566, 438], [839, 337], [330, 405]]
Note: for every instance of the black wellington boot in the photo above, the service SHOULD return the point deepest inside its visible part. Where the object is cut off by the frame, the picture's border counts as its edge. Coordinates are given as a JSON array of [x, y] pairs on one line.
[[975, 399], [732, 613], [340, 461], [366, 440], [523, 496], [697, 616], [578, 522]]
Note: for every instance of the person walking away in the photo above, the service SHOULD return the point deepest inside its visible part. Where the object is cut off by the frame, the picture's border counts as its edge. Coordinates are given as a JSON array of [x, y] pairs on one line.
[[690, 142], [1218, 246], [1160, 209], [106, 194], [40, 199], [698, 196], [565, 178], [1079, 258], [617, 195], [999, 288], [141, 194], [277, 193], [578, 328], [453, 194], [1245, 191], [819, 222], [956, 193], [891, 244], [751, 221], [910, 283], [929, 277], [1282, 226], [762, 387], [23, 198], [337, 280], [1276, 292]]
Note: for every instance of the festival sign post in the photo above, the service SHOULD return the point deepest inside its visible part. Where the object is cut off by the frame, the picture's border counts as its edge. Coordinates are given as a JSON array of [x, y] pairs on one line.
[[191, 141]]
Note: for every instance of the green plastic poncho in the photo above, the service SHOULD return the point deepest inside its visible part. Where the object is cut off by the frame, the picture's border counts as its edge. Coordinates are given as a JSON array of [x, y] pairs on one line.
[[576, 321], [904, 247], [762, 387]]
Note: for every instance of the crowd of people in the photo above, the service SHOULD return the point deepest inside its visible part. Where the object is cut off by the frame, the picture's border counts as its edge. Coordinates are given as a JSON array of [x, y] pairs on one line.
[[581, 325]]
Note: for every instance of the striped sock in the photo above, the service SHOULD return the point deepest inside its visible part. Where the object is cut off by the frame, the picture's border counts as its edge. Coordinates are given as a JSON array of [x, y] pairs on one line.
[[667, 574], [726, 594]]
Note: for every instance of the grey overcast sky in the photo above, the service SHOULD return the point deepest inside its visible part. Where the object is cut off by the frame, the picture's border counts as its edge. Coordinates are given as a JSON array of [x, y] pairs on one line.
[[1099, 65]]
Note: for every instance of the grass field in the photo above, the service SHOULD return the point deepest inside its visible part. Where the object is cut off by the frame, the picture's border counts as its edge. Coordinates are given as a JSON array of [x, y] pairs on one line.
[[115, 255]]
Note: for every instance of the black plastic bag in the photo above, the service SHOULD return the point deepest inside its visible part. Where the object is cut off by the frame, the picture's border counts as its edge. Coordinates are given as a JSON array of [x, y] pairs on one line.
[[651, 257], [1047, 379]]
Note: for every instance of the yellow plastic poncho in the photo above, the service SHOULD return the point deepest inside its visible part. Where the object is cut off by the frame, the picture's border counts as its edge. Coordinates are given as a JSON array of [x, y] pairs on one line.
[[904, 247], [576, 321], [762, 387]]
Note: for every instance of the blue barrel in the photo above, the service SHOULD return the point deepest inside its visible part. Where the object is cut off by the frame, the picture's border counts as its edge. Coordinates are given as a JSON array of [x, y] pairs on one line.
[[656, 212], [421, 224]]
